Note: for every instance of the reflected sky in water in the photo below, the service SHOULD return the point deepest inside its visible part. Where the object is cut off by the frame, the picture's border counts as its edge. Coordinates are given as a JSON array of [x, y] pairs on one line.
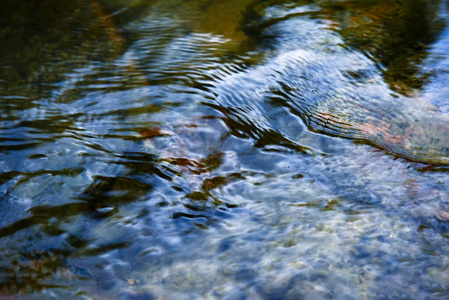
[[238, 149]]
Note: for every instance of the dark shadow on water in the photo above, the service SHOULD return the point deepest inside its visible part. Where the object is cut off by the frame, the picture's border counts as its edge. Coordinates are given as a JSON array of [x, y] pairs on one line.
[[45, 40], [396, 35]]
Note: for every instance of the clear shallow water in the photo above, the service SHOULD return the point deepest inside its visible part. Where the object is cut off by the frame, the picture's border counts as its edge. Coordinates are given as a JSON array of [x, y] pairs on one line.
[[166, 149]]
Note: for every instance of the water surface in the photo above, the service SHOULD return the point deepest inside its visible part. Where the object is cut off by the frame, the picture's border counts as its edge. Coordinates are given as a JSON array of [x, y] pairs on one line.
[[237, 149]]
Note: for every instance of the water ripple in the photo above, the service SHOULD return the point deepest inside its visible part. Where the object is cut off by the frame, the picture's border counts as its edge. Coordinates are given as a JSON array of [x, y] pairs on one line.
[[155, 150]]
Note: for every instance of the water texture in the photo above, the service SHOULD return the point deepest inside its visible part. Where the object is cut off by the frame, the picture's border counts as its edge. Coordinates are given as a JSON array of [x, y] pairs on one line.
[[224, 149]]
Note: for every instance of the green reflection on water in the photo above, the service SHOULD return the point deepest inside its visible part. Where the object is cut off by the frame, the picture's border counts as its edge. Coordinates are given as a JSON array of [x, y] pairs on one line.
[[395, 34]]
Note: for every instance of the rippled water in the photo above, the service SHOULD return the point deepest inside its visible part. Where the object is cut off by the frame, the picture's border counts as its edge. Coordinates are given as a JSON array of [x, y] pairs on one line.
[[224, 149]]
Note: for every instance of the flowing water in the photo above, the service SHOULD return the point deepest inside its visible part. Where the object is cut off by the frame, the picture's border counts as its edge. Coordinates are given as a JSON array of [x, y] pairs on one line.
[[211, 149]]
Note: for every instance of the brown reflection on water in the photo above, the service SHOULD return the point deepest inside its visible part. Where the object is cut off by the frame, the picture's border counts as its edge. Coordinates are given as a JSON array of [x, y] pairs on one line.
[[190, 152], [228, 24], [30, 274]]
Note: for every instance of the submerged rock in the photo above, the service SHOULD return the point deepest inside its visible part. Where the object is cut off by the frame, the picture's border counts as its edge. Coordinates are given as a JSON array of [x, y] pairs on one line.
[[408, 128]]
